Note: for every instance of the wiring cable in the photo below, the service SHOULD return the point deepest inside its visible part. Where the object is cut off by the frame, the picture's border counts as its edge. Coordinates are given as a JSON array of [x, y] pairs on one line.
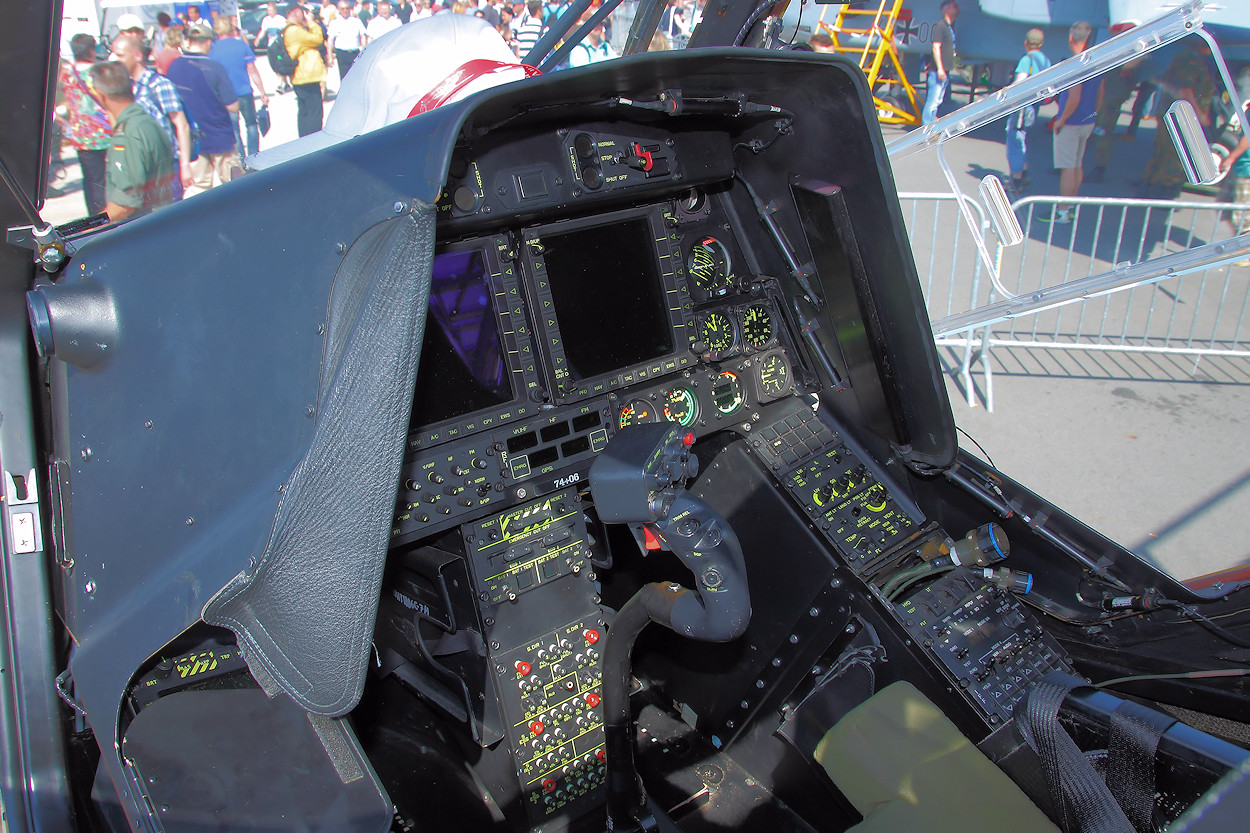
[[1180, 675], [900, 581], [1206, 622], [972, 440]]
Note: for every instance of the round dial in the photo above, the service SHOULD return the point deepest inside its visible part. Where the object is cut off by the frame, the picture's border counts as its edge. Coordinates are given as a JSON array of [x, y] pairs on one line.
[[773, 374], [680, 406], [727, 392], [757, 326], [720, 332], [637, 412], [839, 487], [708, 265], [876, 499]]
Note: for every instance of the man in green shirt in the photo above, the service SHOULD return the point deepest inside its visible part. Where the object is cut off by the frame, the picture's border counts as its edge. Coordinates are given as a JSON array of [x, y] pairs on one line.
[[139, 165]]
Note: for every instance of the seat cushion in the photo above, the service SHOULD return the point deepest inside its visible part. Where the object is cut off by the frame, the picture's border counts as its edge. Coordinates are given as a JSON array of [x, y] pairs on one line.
[[904, 766]]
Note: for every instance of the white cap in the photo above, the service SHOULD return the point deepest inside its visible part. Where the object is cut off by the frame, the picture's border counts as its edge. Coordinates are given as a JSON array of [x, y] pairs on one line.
[[129, 21], [397, 71]]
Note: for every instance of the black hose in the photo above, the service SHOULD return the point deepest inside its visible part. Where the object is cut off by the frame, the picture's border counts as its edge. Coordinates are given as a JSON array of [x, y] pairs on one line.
[[625, 797]]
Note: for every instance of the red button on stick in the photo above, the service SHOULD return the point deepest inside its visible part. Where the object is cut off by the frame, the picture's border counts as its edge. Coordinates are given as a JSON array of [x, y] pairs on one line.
[[522, 667], [689, 438]]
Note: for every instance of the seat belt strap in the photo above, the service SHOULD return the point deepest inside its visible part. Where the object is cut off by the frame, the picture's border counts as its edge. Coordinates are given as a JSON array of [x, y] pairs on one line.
[[1084, 802], [1135, 734]]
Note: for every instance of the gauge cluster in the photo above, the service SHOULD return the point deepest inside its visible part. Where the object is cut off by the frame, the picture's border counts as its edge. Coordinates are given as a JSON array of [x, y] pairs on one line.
[[724, 332], [709, 397]]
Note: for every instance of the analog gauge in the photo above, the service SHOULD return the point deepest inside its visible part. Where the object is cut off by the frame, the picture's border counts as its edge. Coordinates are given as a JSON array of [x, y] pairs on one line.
[[757, 326], [708, 265], [637, 412], [719, 332], [680, 406], [773, 375], [727, 392]]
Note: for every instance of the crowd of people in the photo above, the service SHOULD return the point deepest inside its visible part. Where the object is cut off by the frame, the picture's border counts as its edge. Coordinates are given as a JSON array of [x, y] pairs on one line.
[[160, 117], [196, 80], [1089, 113]]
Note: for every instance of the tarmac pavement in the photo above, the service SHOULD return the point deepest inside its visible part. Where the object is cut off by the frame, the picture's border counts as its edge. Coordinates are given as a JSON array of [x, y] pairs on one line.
[[1150, 450]]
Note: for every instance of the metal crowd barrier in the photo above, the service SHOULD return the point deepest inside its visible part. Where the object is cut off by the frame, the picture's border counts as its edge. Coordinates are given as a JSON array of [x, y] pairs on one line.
[[1194, 313], [950, 272]]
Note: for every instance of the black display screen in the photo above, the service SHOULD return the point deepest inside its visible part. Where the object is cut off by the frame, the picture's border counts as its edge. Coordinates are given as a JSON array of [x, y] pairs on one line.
[[609, 299], [462, 362]]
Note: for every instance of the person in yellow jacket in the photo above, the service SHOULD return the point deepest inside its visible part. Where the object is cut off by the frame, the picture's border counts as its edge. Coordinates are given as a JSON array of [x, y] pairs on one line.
[[303, 39]]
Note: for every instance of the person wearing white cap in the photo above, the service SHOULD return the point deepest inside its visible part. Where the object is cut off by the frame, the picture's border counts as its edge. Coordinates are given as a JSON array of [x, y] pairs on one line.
[[130, 23], [413, 69]]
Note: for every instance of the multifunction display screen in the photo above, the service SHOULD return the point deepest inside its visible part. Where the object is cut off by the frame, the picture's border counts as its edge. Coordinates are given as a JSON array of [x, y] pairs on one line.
[[462, 359], [608, 296]]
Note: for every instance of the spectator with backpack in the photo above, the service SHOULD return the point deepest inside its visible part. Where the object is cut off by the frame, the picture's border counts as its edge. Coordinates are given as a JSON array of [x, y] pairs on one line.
[[593, 49], [299, 56], [1031, 62], [271, 27]]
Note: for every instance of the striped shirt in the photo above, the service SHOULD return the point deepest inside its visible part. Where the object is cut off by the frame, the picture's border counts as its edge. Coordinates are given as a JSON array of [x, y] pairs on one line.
[[527, 35], [157, 95]]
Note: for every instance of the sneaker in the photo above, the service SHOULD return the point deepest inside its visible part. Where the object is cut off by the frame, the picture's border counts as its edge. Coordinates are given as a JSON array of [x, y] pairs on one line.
[[1060, 217]]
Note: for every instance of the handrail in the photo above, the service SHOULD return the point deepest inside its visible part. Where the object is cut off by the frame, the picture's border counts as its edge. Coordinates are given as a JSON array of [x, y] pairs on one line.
[[1169, 28]]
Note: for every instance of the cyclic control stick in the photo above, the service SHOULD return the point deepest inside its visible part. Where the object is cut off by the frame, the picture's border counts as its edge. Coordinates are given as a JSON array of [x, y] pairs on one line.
[[639, 479]]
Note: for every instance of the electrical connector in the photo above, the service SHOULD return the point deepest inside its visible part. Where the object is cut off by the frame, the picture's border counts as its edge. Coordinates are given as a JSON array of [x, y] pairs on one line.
[[983, 546], [1013, 581], [1150, 600]]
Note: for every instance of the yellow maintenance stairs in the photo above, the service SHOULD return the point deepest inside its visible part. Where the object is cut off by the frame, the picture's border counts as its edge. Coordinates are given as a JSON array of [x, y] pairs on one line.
[[867, 37]]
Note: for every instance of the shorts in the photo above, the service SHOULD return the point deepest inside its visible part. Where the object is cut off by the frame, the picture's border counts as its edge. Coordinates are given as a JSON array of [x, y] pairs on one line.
[[1070, 144]]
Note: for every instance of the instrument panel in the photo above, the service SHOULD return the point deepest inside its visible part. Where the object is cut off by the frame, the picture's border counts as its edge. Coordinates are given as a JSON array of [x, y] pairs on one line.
[[552, 328], [528, 322]]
